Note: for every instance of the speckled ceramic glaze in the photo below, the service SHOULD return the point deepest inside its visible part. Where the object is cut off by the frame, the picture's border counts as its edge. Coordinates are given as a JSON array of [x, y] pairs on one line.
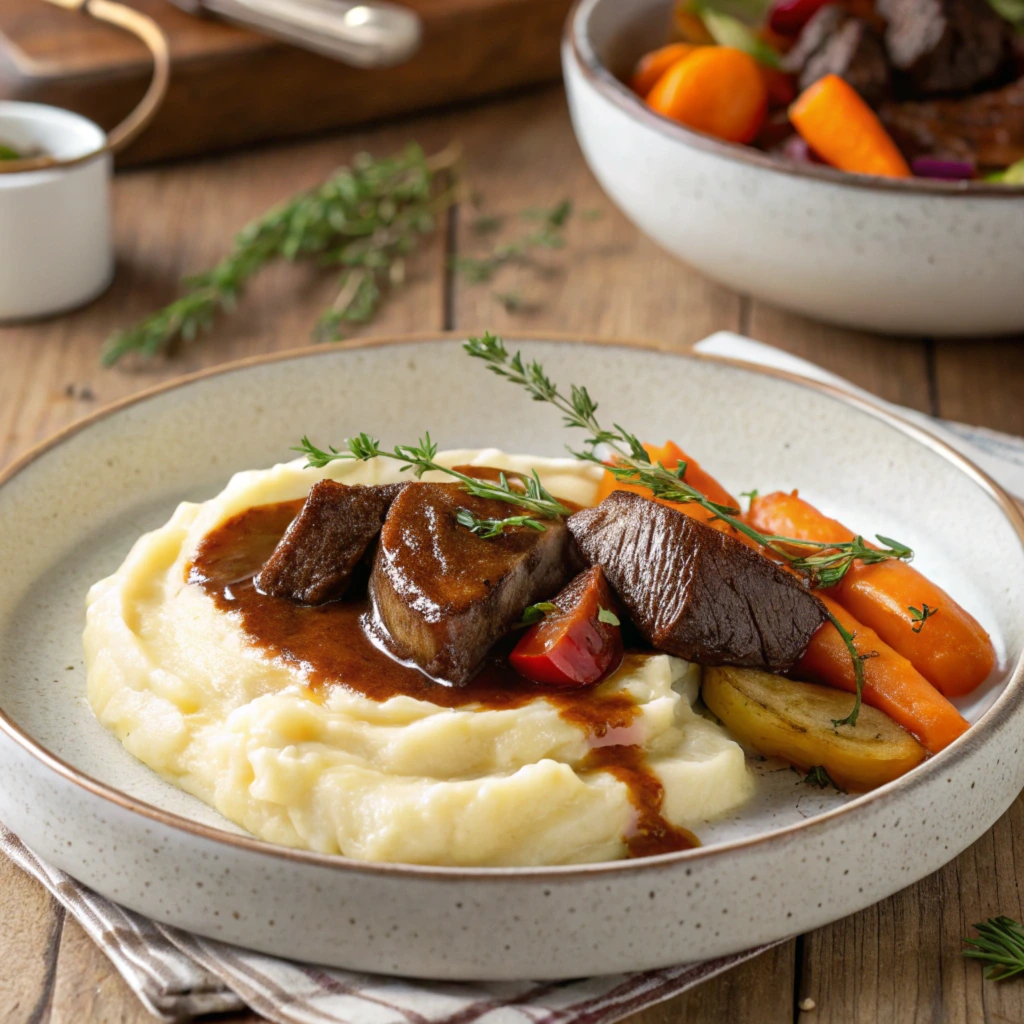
[[911, 256], [791, 860]]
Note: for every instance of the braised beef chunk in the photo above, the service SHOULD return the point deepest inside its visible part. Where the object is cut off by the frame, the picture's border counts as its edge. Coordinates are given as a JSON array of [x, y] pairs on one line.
[[834, 42], [946, 46], [443, 594], [987, 128], [693, 591], [315, 559]]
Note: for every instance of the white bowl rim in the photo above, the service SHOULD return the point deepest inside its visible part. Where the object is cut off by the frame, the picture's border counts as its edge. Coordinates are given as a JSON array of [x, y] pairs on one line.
[[576, 40], [88, 136], [1009, 701]]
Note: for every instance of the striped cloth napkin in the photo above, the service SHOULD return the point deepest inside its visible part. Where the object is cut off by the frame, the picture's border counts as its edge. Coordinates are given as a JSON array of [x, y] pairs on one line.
[[180, 976]]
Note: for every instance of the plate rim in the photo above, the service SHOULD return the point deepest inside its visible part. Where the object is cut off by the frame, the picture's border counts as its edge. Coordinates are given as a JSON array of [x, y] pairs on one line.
[[1011, 699]]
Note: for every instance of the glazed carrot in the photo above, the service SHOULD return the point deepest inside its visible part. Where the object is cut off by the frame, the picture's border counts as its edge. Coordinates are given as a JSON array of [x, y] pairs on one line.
[[653, 65], [891, 683], [949, 648], [717, 89], [670, 455], [844, 131]]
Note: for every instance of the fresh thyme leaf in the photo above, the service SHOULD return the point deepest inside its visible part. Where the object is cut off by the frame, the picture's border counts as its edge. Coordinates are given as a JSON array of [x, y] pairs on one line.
[[548, 235], [488, 528], [607, 616], [366, 218], [819, 778], [751, 496], [920, 616], [512, 301], [9, 152], [531, 495], [1000, 945], [535, 612], [486, 225]]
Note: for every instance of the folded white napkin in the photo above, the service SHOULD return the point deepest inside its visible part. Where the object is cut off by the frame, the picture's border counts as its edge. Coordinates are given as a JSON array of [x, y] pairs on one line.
[[179, 976]]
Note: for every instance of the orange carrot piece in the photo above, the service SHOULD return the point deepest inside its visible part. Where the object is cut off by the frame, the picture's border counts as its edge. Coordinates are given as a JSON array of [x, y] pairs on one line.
[[653, 65], [670, 455], [950, 649], [718, 90], [891, 683], [843, 130]]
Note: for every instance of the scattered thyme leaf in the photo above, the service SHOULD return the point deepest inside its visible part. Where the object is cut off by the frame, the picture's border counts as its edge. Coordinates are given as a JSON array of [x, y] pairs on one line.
[[535, 612], [512, 301], [819, 778], [607, 616], [919, 616], [488, 528], [999, 945], [486, 224], [548, 235]]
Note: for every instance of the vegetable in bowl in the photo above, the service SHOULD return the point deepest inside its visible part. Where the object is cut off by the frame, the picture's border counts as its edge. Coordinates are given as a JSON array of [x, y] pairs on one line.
[[891, 88]]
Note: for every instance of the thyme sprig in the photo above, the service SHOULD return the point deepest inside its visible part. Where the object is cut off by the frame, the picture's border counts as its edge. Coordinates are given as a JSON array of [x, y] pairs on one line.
[[366, 218], [818, 777], [547, 235], [531, 494], [1000, 945], [630, 463]]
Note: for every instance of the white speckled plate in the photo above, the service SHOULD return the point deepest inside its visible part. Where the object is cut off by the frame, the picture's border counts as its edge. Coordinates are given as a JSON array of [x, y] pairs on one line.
[[788, 862]]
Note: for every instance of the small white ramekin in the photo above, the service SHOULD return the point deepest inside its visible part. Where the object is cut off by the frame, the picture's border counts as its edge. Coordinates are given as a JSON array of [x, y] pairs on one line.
[[56, 251]]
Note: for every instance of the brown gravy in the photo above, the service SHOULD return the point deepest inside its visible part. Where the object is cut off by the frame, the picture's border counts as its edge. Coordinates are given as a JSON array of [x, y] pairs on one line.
[[329, 643]]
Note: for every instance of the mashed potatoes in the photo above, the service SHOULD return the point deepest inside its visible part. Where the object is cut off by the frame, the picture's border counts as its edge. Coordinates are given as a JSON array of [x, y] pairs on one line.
[[178, 682]]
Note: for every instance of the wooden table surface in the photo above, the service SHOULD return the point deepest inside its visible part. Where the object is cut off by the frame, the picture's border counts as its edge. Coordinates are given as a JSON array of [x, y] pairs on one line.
[[897, 962]]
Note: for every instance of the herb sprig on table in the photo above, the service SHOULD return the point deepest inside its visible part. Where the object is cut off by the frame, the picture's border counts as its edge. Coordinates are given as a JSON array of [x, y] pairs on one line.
[[630, 463], [1000, 945], [365, 218], [362, 223]]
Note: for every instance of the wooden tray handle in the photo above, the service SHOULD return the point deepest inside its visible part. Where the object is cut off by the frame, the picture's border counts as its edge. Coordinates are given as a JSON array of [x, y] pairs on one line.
[[146, 29]]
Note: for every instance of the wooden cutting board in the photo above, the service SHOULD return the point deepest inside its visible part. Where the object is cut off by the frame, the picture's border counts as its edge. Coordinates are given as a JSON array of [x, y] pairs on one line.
[[230, 86]]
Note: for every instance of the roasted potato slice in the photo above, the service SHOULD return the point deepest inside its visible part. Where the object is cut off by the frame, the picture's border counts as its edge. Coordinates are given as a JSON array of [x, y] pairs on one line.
[[784, 718]]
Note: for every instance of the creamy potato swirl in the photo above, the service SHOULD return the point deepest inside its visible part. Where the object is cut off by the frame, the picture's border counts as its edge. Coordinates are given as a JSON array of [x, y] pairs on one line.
[[180, 684]]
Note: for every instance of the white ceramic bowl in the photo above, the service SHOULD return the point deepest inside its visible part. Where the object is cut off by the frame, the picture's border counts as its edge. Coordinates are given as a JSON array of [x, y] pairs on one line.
[[55, 236], [900, 256], [789, 861]]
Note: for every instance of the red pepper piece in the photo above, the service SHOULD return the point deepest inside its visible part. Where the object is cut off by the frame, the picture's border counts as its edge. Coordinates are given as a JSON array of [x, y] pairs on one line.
[[788, 17], [575, 645]]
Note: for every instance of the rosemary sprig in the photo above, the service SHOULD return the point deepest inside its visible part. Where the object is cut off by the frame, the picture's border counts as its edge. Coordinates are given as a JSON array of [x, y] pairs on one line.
[[1000, 945], [631, 464], [366, 218], [532, 495]]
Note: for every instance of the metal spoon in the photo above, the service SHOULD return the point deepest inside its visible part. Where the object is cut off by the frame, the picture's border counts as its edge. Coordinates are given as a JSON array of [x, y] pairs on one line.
[[366, 35]]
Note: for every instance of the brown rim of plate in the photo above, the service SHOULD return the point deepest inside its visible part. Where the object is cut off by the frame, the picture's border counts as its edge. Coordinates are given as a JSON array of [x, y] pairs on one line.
[[576, 40], [1010, 699]]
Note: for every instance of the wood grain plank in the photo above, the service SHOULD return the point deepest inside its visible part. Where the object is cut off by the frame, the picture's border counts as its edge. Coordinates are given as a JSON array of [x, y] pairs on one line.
[[901, 961], [610, 280], [895, 369], [29, 943], [757, 992], [982, 382], [177, 221], [88, 988]]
